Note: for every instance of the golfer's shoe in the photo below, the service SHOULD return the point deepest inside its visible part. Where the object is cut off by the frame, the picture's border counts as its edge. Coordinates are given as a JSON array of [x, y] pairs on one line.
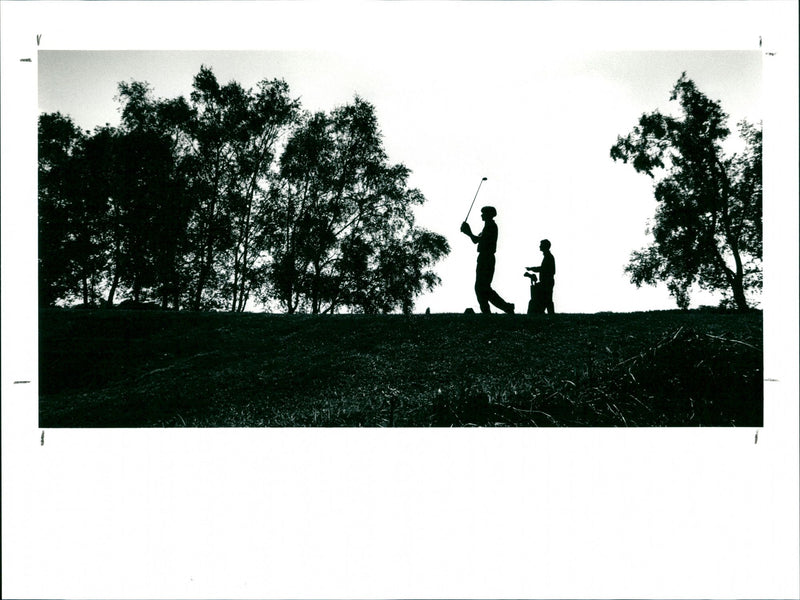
[[510, 310]]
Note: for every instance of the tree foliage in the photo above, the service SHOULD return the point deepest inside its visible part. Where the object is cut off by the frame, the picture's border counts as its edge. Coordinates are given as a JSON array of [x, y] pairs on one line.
[[229, 195], [71, 213], [236, 133], [344, 226], [707, 226], [149, 203], [58, 138]]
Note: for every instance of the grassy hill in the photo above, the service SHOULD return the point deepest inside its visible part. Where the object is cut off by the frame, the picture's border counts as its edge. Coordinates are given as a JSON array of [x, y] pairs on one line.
[[116, 368]]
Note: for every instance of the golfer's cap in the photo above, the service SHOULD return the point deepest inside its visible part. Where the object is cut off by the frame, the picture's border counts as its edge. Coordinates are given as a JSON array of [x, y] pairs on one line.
[[489, 211]]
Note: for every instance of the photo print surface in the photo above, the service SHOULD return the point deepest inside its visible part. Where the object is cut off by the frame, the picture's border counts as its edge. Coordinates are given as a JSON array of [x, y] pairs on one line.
[[381, 440], [468, 237]]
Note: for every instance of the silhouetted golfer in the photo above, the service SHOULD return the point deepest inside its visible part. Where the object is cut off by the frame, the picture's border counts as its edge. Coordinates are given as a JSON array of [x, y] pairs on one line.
[[484, 272], [547, 272]]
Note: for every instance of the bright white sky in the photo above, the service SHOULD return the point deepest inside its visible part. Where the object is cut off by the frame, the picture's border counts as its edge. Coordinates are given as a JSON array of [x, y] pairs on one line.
[[537, 124]]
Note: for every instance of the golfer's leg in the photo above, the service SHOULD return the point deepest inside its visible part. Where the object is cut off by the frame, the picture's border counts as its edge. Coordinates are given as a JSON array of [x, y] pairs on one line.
[[483, 281], [481, 295], [548, 301], [495, 299]]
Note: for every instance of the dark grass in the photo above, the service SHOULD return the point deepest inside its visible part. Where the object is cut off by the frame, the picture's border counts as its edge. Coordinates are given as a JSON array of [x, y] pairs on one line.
[[115, 368]]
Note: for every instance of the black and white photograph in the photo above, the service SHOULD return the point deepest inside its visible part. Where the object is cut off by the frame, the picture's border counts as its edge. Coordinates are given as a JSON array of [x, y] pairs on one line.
[[465, 299], [289, 239]]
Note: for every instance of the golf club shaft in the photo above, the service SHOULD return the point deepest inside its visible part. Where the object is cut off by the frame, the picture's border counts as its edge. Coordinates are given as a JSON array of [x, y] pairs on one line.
[[473, 200]]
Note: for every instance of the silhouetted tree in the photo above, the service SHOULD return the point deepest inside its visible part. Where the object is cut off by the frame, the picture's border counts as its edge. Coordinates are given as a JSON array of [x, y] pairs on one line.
[[707, 226], [344, 234], [400, 271], [235, 132], [101, 171], [72, 254], [210, 227], [185, 202], [58, 137], [150, 202], [299, 201], [264, 116]]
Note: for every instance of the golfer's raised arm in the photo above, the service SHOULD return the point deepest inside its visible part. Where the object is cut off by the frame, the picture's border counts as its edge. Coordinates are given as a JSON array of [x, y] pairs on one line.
[[467, 230]]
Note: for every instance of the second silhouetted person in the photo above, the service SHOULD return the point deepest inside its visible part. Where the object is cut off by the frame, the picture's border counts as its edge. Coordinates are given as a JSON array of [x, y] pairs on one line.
[[547, 272]]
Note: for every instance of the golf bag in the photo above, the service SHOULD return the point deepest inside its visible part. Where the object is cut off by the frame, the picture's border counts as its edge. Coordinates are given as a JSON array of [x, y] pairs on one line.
[[536, 305]]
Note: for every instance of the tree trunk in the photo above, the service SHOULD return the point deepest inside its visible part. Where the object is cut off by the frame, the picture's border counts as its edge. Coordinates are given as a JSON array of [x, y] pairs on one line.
[[85, 289], [93, 290], [738, 293], [738, 277], [112, 292], [315, 301], [205, 269], [201, 282], [243, 297], [235, 298]]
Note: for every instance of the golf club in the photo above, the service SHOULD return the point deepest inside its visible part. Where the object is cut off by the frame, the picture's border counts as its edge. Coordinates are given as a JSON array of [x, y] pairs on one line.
[[473, 200]]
